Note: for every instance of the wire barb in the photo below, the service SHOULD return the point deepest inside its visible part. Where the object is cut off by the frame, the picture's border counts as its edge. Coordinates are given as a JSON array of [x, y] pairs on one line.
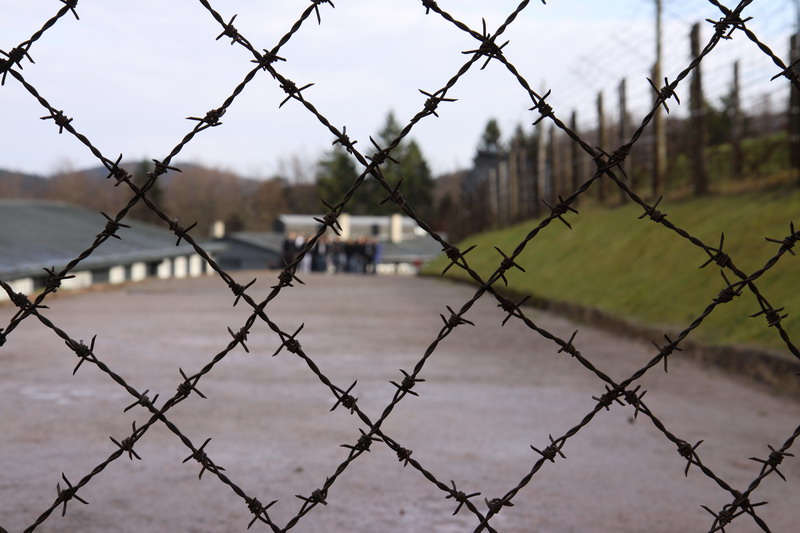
[[188, 385], [560, 209], [408, 383], [454, 320], [290, 342], [59, 118], [84, 352], [67, 494], [15, 57], [551, 452], [206, 463], [488, 47], [433, 101], [345, 399], [665, 93], [460, 496], [259, 511], [71, 5], [126, 445]]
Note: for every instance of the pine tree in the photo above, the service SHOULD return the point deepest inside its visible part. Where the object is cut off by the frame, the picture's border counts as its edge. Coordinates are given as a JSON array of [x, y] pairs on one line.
[[336, 173], [490, 140], [417, 187], [411, 168]]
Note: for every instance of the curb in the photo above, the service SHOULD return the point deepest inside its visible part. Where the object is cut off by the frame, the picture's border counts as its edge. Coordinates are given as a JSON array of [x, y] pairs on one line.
[[760, 365], [756, 364]]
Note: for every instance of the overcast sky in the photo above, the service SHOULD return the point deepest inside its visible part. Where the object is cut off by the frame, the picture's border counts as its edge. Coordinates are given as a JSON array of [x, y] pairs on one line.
[[129, 73]]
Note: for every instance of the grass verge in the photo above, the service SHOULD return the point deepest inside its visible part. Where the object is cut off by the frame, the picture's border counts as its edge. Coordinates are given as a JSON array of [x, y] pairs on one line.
[[640, 270]]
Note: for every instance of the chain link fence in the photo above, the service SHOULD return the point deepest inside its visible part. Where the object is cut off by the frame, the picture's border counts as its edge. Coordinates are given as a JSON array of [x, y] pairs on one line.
[[608, 166]]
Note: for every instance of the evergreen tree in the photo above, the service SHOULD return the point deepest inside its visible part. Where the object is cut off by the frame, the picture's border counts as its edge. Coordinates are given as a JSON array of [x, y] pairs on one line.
[[411, 168], [490, 140], [391, 129], [417, 187], [336, 173]]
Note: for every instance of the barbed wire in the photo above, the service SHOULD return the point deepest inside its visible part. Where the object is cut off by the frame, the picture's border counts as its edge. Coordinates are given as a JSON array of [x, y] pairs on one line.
[[608, 166]]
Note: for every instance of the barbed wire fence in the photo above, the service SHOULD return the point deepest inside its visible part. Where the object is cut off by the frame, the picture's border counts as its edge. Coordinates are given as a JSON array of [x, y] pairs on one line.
[[609, 165]]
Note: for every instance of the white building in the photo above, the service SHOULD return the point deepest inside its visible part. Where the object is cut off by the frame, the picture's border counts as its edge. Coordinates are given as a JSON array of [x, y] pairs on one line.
[[35, 235], [405, 246]]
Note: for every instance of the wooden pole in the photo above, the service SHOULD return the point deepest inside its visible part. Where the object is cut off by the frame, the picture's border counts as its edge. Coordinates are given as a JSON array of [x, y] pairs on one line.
[[659, 129], [515, 181], [549, 167], [623, 135], [737, 162], [601, 142], [697, 121], [794, 111], [541, 162], [556, 176], [565, 156], [574, 155]]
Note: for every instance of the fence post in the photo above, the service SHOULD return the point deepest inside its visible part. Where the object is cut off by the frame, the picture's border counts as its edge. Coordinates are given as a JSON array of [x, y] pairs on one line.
[[697, 121], [601, 142], [623, 136], [514, 189], [504, 191], [574, 155], [556, 176], [737, 129], [794, 111], [659, 157], [531, 181], [541, 162], [548, 176], [565, 164]]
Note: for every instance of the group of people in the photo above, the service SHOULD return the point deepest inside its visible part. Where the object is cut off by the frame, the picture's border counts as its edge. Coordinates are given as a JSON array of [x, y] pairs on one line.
[[358, 256]]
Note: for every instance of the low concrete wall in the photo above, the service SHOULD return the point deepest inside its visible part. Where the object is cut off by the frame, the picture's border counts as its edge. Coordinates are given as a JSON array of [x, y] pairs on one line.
[[760, 364], [776, 370]]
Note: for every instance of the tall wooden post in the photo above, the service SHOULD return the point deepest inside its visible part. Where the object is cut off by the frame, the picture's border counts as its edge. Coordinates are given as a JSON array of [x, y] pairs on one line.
[[574, 155], [794, 111], [557, 177], [623, 135], [737, 126], [549, 166], [531, 183], [659, 127], [565, 157], [601, 142], [541, 162], [697, 121], [514, 203]]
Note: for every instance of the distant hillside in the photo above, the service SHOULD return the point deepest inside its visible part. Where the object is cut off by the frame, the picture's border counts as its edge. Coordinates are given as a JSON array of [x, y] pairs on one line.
[[203, 195], [99, 173], [196, 194], [21, 185]]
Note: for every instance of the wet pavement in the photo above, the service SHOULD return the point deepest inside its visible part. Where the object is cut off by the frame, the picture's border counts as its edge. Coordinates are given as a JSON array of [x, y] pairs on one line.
[[490, 393]]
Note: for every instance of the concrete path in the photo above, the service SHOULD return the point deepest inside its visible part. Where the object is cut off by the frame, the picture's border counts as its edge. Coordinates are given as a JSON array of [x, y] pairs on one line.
[[490, 393]]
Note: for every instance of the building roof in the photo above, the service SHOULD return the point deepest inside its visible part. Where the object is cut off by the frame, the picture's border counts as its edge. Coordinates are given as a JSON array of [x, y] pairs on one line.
[[37, 234], [270, 241]]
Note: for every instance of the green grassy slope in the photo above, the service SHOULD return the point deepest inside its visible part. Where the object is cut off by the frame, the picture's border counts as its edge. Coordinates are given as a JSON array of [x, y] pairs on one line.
[[641, 270]]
